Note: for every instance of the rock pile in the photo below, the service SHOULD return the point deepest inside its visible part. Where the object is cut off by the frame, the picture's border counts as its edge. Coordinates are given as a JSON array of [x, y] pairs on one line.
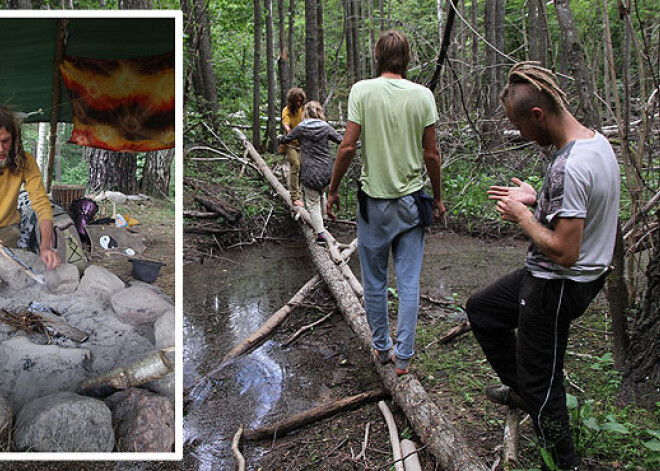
[[41, 369]]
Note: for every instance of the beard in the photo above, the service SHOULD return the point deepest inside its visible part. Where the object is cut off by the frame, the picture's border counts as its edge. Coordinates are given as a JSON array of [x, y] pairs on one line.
[[4, 162]]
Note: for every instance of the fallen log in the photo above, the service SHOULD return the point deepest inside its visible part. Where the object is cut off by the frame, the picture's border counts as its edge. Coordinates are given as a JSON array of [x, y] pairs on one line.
[[435, 431], [323, 411], [228, 211], [145, 370]]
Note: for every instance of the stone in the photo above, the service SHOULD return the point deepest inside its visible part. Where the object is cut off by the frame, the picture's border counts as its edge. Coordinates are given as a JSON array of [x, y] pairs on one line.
[[144, 422], [99, 283], [64, 422], [63, 280], [164, 331], [6, 419], [136, 305], [29, 370], [13, 276]]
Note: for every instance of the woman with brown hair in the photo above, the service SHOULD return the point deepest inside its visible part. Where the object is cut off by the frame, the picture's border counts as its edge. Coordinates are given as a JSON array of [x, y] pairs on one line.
[[291, 117]]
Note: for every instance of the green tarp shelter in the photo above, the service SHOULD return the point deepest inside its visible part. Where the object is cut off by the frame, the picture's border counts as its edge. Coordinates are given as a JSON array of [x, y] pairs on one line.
[[29, 51]]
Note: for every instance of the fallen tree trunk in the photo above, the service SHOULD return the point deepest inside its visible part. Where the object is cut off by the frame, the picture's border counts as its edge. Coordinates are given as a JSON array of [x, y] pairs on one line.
[[317, 413], [229, 212], [440, 436]]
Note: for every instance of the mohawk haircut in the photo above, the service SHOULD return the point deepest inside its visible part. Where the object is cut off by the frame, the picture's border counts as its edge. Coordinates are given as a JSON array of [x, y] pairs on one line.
[[543, 80]]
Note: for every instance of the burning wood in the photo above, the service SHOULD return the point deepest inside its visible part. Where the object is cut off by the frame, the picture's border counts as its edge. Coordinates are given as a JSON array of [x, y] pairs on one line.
[[37, 317]]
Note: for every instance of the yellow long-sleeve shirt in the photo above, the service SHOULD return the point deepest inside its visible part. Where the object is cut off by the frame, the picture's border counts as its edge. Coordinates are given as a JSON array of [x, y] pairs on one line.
[[10, 185]]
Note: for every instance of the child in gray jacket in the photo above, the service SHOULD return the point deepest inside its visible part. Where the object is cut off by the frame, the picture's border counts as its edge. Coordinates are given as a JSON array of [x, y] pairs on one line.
[[313, 133]]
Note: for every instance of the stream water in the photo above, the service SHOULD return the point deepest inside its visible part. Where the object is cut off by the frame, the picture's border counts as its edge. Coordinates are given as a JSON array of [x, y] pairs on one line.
[[224, 302]]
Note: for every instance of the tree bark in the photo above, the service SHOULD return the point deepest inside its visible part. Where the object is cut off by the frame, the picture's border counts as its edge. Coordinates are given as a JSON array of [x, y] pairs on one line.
[[323, 81], [311, 50], [114, 171], [204, 77], [616, 293], [292, 57], [156, 174], [641, 377], [587, 110]]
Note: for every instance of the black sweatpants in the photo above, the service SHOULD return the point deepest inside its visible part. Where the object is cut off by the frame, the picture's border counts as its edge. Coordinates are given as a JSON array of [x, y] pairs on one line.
[[531, 361]]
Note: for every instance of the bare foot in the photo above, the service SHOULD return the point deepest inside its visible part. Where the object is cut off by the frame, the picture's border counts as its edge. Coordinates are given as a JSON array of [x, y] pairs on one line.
[[298, 203]]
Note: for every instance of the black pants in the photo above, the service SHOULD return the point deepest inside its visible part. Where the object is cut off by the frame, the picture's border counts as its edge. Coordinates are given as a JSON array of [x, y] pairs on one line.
[[531, 361]]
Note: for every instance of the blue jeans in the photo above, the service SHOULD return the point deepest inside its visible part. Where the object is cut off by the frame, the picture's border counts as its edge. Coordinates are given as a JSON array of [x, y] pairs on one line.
[[393, 223]]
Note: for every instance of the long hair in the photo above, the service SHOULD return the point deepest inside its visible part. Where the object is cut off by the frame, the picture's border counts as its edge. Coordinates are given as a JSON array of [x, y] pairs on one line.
[[314, 110], [291, 96], [17, 157], [392, 53]]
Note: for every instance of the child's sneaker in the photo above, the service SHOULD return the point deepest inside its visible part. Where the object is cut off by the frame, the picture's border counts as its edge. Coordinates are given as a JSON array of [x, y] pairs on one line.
[[320, 239]]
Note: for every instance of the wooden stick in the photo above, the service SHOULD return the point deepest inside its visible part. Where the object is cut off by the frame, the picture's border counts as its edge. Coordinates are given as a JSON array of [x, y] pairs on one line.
[[394, 436], [240, 461], [362, 455], [409, 452], [305, 329], [510, 453], [460, 329], [327, 409], [20, 265]]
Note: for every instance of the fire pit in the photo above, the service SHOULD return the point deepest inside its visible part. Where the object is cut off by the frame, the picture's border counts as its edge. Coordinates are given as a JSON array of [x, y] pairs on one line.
[[93, 329]]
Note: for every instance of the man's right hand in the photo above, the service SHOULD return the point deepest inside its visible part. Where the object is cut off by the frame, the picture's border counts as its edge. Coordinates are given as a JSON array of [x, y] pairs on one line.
[[438, 210], [333, 200], [522, 192]]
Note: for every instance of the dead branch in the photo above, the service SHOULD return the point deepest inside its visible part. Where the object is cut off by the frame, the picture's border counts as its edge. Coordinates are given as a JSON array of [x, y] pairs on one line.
[[460, 329], [442, 302], [635, 218], [410, 457], [317, 413], [240, 461], [305, 329], [510, 452], [145, 370], [394, 436], [201, 214], [362, 455]]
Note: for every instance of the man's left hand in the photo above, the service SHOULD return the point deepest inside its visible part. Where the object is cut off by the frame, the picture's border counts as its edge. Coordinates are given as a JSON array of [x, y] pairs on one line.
[[512, 210], [50, 258]]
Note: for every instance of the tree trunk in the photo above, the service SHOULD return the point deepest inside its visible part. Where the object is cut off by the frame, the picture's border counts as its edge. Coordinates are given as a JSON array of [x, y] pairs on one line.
[[205, 57], [20, 4], [114, 171], [256, 77], [292, 58], [42, 160], [311, 50], [58, 151], [271, 130], [492, 88], [587, 110], [476, 89], [617, 298], [283, 59], [323, 81], [641, 377], [350, 66], [156, 174]]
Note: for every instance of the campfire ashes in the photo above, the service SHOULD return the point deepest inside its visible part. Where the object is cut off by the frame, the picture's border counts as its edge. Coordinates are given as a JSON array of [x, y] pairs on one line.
[[69, 332]]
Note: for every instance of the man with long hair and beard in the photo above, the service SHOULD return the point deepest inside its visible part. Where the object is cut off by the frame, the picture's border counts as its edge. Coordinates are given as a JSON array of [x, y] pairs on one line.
[[18, 167]]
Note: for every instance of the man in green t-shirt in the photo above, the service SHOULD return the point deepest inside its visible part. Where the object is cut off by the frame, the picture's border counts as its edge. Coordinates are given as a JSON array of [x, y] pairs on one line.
[[396, 121]]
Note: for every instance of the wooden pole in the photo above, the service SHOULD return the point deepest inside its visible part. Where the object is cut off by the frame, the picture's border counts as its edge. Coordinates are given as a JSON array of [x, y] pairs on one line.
[[55, 111]]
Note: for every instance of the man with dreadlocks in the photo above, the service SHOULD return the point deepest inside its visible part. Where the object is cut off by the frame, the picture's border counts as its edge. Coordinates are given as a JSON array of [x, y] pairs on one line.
[[18, 167], [572, 238]]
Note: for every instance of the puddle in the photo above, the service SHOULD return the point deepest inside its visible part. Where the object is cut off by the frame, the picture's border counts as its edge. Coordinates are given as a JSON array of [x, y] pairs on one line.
[[223, 303]]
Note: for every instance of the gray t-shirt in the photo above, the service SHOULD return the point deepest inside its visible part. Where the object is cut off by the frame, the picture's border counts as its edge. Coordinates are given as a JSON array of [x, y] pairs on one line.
[[582, 182]]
